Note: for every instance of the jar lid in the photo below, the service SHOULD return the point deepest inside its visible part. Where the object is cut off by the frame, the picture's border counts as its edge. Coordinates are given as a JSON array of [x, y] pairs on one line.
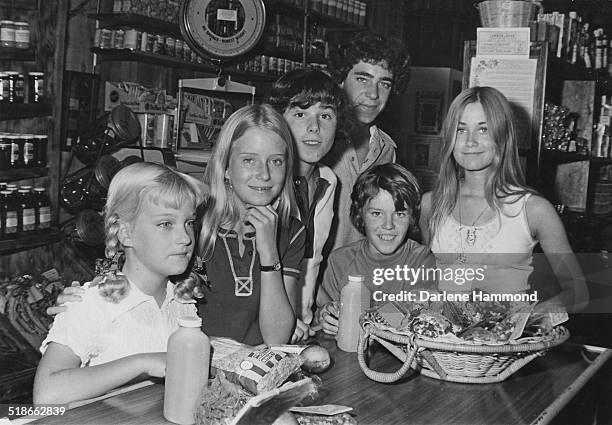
[[106, 167], [36, 73], [190, 321], [124, 123], [39, 189], [6, 192], [23, 190], [89, 226]]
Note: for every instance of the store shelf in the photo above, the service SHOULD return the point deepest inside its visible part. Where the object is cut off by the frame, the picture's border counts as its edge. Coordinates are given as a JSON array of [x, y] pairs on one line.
[[332, 23], [29, 241], [23, 173], [143, 23], [9, 53], [560, 156], [9, 111], [283, 8], [150, 58], [169, 61]]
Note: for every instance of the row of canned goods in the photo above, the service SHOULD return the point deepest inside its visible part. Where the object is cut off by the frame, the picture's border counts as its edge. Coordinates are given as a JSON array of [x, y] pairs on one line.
[[268, 64], [13, 87], [132, 39], [23, 210], [19, 151]]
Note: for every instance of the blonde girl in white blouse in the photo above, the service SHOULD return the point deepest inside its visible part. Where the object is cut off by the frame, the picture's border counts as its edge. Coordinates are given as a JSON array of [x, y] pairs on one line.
[[120, 330]]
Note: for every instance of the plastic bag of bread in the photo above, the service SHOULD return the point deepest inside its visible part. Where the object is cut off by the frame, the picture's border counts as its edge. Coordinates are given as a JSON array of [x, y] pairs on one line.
[[257, 369]]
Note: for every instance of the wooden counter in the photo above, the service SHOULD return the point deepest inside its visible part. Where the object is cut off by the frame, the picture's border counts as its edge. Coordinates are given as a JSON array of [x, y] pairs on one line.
[[535, 394]]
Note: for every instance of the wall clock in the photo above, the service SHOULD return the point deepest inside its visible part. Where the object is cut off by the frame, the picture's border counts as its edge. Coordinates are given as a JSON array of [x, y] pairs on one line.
[[222, 29]]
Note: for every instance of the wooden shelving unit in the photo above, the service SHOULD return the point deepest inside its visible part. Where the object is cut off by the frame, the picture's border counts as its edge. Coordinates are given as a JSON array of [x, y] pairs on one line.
[[23, 110], [23, 173], [144, 23], [561, 157], [29, 241], [11, 53]]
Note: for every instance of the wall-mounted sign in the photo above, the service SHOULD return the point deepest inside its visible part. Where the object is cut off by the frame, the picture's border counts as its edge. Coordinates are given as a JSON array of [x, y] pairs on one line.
[[222, 29], [502, 42]]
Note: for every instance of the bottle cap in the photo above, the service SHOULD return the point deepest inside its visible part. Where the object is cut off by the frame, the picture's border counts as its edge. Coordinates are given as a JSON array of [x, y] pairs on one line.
[[190, 321], [358, 278]]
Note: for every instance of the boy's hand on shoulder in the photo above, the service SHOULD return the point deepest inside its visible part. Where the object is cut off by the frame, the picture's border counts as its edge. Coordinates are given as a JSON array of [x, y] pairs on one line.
[[70, 294], [328, 317]]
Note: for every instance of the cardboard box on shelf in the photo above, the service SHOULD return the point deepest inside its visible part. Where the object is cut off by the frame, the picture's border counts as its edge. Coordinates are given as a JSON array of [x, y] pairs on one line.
[[135, 96]]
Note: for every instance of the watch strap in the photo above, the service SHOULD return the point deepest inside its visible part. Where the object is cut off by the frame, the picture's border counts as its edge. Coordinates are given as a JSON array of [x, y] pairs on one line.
[[275, 267]]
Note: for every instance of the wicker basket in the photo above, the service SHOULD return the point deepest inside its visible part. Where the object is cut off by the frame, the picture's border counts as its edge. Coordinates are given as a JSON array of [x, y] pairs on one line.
[[508, 13], [466, 363]]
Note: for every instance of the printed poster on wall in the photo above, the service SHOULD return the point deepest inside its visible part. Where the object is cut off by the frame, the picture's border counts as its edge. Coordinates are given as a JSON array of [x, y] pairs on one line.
[[516, 79]]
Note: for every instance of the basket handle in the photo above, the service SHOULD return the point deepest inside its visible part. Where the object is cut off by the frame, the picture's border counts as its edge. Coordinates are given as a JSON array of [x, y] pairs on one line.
[[381, 376]]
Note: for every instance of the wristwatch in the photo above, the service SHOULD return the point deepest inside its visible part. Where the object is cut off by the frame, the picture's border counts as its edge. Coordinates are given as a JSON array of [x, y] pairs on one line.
[[275, 267]]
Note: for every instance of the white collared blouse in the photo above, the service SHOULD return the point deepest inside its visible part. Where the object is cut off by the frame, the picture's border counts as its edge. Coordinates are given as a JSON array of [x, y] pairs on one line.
[[99, 331]]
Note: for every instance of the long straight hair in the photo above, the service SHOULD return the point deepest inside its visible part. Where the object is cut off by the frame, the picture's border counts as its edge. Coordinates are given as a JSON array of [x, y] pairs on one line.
[[222, 208], [506, 177]]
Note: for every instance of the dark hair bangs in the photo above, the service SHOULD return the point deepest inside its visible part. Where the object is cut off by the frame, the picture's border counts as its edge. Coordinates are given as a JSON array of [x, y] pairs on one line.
[[310, 97]]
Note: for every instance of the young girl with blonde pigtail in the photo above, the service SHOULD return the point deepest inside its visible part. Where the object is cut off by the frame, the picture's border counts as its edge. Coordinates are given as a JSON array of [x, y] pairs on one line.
[[120, 330]]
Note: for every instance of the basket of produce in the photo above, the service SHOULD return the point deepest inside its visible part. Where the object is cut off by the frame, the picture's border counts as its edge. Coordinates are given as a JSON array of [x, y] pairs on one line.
[[467, 342]]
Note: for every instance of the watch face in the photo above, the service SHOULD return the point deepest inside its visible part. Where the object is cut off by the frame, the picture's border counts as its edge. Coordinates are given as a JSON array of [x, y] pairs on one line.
[[222, 28]]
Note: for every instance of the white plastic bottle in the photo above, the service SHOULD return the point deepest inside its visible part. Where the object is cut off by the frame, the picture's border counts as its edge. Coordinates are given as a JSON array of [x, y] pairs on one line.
[[187, 364], [353, 299]]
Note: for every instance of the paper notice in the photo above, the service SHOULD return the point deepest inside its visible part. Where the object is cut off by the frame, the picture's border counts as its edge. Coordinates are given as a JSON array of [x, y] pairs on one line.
[[516, 79]]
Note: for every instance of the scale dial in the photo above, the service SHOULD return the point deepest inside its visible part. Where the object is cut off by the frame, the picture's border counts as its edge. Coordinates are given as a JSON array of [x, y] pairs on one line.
[[222, 29]]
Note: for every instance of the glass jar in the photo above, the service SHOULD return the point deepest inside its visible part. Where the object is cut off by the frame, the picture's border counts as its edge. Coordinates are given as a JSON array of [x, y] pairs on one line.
[[119, 39], [4, 88], [82, 190], [26, 213], [28, 151], [40, 150], [22, 35], [16, 147], [19, 89], [7, 33], [36, 87], [107, 134], [8, 214], [6, 150], [11, 82], [42, 205]]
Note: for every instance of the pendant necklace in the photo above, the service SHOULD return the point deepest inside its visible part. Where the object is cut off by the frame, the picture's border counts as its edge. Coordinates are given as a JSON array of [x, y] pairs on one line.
[[470, 235], [243, 286]]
